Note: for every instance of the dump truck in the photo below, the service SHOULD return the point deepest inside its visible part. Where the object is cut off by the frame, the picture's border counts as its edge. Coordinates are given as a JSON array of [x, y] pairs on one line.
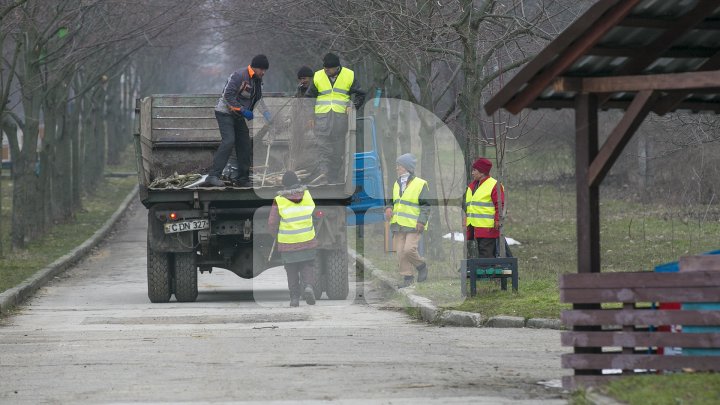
[[193, 228]]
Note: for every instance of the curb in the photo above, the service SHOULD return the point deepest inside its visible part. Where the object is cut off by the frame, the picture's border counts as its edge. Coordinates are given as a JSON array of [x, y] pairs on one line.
[[16, 295], [432, 314]]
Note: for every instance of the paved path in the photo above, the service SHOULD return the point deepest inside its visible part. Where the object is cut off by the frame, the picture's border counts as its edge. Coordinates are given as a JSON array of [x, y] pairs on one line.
[[91, 335]]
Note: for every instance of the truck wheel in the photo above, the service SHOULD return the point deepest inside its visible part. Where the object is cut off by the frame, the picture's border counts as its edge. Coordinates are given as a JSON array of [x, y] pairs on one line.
[[336, 274], [186, 289], [158, 276]]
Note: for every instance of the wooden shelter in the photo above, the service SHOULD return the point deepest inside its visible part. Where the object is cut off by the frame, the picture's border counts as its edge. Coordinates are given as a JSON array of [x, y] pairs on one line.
[[638, 56]]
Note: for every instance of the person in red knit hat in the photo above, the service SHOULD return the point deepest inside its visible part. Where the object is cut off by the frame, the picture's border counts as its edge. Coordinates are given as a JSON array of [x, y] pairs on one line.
[[482, 213]]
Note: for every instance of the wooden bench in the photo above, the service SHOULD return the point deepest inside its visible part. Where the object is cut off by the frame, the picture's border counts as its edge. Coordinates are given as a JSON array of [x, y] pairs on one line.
[[625, 338], [502, 268]]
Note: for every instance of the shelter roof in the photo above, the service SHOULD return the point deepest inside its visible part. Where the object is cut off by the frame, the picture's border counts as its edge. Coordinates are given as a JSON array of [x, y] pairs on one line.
[[623, 39]]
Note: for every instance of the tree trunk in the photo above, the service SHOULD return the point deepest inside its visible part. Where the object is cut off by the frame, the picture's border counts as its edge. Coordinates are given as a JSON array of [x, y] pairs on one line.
[[89, 143], [73, 131], [10, 128], [94, 139], [63, 180], [428, 156], [642, 160], [48, 165], [115, 121], [57, 154], [469, 100], [28, 194]]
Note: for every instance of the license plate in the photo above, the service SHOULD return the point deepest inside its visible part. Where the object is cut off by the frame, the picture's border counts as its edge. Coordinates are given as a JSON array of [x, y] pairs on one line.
[[184, 226]]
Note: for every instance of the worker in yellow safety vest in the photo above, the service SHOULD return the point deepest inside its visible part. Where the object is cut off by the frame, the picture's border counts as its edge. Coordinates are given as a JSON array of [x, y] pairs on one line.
[[291, 221], [482, 215], [408, 219], [332, 87]]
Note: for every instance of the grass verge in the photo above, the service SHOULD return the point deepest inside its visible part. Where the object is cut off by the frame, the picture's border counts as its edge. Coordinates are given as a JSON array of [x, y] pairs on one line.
[[634, 237], [670, 389], [16, 266]]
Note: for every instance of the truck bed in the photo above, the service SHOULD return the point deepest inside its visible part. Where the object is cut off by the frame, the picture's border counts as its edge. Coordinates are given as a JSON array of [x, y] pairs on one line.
[[179, 134]]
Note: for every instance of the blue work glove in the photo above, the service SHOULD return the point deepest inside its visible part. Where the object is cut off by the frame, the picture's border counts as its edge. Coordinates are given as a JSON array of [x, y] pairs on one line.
[[248, 114], [267, 116]]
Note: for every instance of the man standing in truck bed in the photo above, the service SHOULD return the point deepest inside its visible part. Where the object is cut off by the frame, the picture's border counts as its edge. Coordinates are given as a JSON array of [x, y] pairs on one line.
[[332, 86], [242, 91]]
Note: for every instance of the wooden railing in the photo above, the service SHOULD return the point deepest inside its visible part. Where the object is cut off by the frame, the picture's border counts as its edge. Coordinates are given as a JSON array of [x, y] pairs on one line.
[[615, 322]]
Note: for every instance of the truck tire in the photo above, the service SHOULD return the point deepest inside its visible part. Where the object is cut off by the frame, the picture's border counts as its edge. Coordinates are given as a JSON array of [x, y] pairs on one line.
[[158, 276], [186, 287], [336, 274]]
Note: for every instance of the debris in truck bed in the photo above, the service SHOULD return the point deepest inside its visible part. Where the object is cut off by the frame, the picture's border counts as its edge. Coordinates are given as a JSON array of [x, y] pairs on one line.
[[175, 181], [275, 179], [179, 181]]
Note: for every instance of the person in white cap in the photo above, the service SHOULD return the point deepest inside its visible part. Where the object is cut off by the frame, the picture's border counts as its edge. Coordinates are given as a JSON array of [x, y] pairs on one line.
[[408, 218]]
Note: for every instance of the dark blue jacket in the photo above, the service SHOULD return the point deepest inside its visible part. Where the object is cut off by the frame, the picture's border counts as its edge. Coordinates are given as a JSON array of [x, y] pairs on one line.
[[242, 91]]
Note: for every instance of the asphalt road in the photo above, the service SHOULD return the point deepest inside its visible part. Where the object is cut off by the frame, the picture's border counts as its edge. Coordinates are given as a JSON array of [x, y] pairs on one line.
[[91, 335]]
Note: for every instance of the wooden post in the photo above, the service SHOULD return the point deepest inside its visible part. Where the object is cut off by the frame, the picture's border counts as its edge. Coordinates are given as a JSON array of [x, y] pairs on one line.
[[588, 205]]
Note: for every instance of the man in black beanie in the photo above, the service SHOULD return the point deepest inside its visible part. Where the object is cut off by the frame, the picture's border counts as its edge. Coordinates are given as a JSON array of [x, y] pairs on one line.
[[333, 86], [304, 75], [242, 91], [301, 124]]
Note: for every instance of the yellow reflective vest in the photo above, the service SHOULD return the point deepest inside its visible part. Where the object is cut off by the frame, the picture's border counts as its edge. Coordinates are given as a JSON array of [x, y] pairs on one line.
[[333, 97], [406, 207], [479, 206], [296, 225]]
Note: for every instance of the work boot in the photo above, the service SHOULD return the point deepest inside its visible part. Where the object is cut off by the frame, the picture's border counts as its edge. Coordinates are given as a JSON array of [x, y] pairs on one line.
[[242, 183], [407, 282], [422, 272], [214, 181], [309, 295], [295, 297]]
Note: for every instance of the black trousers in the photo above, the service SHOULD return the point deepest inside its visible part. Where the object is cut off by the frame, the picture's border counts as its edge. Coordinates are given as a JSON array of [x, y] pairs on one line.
[[235, 134], [488, 248], [299, 274], [331, 129]]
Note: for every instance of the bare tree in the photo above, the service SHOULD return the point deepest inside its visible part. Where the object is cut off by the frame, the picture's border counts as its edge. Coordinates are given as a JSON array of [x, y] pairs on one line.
[[69, 50]]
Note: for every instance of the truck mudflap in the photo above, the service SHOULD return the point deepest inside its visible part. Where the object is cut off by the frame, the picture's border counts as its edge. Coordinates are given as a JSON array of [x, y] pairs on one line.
[[160, 241]]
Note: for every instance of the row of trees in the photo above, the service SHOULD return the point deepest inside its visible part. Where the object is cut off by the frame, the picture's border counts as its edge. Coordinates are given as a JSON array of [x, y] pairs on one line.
[[74, 68], [71, 70]]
